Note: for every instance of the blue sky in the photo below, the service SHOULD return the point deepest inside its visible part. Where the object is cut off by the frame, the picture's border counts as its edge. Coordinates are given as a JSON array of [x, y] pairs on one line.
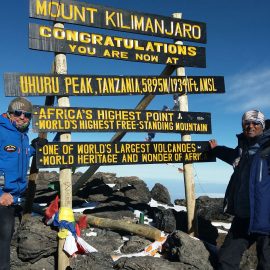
[[237, 48]]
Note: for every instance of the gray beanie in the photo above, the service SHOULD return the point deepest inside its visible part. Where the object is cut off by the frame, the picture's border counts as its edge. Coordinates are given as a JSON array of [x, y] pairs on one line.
[[20, 104], [254, 115]]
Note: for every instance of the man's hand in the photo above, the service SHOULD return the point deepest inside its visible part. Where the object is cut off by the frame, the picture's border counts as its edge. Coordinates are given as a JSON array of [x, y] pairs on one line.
[[6, 199], [213, 143]]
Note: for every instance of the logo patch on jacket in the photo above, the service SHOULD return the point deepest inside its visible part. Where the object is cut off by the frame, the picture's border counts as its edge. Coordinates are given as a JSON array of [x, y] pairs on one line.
[[10, 148]]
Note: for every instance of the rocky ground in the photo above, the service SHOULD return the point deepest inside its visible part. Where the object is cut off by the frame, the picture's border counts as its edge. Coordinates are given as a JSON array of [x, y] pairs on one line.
[[34, 245]]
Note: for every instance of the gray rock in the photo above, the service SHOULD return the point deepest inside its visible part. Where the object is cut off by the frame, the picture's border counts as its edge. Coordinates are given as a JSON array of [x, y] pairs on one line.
[[211, 209], [45, 177], [44, 264], [92, 261], [105, 241], [36, 240], [207, 232], [149, 263], [165, 220], [181, 247], [97, 198], [108, 178], [249, 259], [130, 180], [138, 192], [135, 244], [161, 194], [37, 246]]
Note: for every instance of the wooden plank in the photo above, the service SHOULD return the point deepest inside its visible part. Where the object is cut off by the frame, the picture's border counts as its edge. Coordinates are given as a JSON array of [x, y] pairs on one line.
[[35, 84], [82, 13], [79, 154], [53, 39], [73, 119]]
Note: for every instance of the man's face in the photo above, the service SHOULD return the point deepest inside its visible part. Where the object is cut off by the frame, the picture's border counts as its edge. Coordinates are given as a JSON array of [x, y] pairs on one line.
[[21, 118], [252, 129]]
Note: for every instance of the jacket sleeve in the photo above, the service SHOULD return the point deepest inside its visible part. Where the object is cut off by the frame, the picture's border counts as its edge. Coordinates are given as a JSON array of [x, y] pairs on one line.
[[225, 154], [32, 151], [265, 152]]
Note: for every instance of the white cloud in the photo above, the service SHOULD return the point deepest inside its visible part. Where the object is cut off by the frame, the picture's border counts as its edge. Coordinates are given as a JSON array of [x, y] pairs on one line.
[[250, 90]]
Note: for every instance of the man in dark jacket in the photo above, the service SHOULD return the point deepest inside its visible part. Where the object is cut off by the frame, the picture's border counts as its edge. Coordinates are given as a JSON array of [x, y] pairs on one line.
[[15, 153], [247, 193]]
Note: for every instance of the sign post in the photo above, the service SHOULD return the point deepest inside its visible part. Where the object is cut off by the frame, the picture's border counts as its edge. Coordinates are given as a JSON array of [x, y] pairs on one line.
[[188, 169], [65, 175]]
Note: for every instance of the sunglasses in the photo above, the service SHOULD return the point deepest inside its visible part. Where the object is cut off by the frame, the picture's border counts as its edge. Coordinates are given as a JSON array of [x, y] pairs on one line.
[[19, 113], [254, 123]]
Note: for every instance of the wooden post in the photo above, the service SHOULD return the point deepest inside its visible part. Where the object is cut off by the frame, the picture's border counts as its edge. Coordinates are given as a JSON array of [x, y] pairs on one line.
[[144, 230], [65, 175], [188, 169]]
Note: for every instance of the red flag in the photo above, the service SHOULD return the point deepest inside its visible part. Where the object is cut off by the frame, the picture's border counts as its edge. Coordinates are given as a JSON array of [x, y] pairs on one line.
[[82, 222], [52, 208]]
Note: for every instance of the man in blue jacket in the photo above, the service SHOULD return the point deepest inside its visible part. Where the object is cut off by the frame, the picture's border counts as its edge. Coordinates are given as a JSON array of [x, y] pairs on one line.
[[15, 153], [247, 196]]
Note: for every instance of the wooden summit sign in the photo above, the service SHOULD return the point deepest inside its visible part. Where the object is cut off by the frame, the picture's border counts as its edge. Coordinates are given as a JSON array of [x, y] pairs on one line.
[[26, 84], [61, 40], [94, 119], [87, 14], [78, 154]]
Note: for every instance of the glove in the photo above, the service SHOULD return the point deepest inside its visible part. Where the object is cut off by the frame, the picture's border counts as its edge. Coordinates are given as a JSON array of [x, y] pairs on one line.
[[40, 142]]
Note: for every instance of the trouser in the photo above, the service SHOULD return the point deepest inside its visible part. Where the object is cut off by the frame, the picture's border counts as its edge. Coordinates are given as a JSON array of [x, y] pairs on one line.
[[237, 241], [7, 220]]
